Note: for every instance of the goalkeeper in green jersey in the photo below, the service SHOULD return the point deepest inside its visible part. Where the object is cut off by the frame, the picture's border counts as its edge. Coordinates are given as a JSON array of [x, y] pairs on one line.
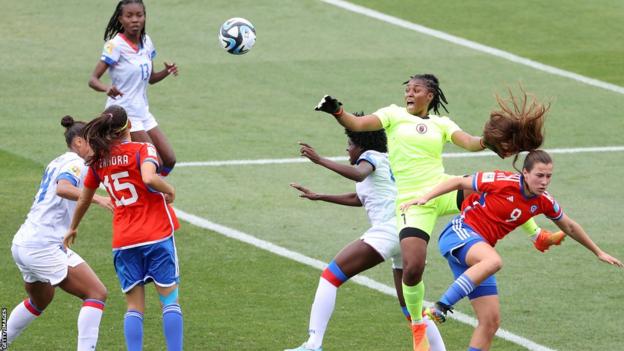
[[415, 143]]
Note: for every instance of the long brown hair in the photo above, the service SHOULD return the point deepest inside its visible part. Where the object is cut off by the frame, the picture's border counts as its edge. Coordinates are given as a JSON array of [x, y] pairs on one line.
[[518, 124], [105, 130]]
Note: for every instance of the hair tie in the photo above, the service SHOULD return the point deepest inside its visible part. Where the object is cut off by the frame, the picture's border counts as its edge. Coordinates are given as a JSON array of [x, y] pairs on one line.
[[122, 128]]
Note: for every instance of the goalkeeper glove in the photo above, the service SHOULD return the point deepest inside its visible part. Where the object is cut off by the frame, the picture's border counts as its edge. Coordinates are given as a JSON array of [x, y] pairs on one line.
[[330, 105], [546, 239]]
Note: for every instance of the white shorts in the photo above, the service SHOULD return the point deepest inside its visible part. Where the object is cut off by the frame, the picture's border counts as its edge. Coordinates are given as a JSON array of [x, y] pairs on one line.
[[384, 238], [44, 264], [145, 123]]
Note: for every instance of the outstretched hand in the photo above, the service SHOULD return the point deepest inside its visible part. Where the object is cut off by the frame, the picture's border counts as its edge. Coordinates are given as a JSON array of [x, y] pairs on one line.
[[309, 152], [605, 257], [330, 105], [406, 205], [69, 238], [305, 192], [172, 68]]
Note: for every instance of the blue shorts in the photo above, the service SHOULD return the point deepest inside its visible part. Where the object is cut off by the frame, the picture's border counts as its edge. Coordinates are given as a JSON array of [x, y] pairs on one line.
[[156, 262], [455, 241]]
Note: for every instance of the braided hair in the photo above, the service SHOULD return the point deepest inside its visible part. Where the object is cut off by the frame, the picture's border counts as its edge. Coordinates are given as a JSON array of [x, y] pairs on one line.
[[433, 85], [114, 26], [375, 140], [102, 132]]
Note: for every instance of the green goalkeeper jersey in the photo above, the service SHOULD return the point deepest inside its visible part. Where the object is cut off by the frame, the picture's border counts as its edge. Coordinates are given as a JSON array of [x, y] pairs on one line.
[[415, 147]]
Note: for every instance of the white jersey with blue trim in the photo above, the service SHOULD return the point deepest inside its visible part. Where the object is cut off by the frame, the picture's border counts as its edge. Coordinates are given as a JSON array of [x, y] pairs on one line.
[[50, 215], [130, 69], [377, 192]]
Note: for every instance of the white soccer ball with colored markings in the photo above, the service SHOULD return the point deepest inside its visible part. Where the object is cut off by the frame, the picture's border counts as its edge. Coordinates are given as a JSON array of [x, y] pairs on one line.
[[237, 35]]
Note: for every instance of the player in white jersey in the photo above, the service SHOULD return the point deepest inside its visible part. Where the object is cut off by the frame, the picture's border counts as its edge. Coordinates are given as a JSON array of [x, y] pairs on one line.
[[127, 55], [376, 191], [38, 245]]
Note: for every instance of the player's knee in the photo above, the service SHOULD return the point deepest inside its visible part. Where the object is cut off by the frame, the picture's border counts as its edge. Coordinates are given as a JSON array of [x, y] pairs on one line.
[[490, 322], [169, 298], [495, 264], [99, 292]]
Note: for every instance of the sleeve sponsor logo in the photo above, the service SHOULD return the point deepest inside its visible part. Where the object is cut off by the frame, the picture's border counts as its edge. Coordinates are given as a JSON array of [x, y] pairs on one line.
[[487, 177], [151, 151], [109, 46]]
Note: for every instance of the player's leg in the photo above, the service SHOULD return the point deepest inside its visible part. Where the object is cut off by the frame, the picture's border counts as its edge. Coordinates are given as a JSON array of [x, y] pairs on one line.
[[41, 269], [133, 319], [165, 150], [83, 283], [436, 343], [162, 266], [487, 310], [354, 258], [40, 295]]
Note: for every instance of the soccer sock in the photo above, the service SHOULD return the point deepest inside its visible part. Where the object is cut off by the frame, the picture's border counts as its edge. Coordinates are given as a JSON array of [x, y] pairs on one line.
[[89, 324], [433, 335], [530, 227], [133, 330], [470, 348], [173, 326], [414, 296], [460, 288], [406, 313], [20, 318], [324, 302]]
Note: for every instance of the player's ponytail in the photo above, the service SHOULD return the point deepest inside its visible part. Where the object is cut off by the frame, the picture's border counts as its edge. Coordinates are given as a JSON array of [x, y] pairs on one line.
[[114, 26], [102, 132], [72, 128], [518, 124]]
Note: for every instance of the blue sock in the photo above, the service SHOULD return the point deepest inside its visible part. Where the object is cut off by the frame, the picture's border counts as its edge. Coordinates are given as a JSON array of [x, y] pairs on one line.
[[133, 330], [470, 348], [406, 313], [460, 288], [173, 326]]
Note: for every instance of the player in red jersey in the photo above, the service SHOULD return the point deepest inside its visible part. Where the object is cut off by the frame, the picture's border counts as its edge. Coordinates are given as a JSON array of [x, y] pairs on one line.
[[507, 200], [143, 222]]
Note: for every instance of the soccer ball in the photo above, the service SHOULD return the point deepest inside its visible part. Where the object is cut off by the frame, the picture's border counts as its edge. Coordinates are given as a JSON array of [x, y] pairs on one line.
[[237, 35]]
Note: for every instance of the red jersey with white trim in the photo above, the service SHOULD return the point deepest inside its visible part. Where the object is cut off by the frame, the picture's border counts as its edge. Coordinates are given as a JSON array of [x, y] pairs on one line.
[[141, 215], [503, 206]]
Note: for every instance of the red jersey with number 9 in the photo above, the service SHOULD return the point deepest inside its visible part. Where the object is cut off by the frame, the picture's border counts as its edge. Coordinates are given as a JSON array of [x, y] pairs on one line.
[[502, 205], [141, 215]]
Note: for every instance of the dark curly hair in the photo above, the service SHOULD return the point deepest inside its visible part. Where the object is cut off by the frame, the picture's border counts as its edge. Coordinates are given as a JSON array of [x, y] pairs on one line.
[[375, 140], [114, 26], [433, 85]]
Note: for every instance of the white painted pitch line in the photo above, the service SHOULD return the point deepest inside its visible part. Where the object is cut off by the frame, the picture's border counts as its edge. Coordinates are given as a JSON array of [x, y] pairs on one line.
[[474, 45], [344, 158], [361, 280]]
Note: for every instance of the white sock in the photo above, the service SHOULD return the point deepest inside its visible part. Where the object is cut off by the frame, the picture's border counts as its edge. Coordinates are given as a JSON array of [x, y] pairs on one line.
[[433, 334], [322, 309], [89, 324], [21, 317]]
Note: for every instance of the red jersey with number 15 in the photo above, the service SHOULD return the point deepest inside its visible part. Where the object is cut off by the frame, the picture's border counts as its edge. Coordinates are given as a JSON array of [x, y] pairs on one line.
[[503, 206], [141, 215]]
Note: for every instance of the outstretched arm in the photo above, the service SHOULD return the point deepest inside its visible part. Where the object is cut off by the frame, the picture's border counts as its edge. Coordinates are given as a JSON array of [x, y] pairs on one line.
[[576, 232], [358, 172], [350, 199], [332, 106], [170, 68], [82, 205], [455, 183], [67, 190], [467, 141]]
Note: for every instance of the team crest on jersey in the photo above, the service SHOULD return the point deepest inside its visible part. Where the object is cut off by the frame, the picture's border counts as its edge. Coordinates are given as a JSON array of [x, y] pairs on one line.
[[421, 128], [533, 208], [510, 198], [487, 177]]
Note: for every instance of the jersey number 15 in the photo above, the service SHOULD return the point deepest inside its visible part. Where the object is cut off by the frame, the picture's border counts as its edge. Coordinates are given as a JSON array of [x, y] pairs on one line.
[[118, 186]]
